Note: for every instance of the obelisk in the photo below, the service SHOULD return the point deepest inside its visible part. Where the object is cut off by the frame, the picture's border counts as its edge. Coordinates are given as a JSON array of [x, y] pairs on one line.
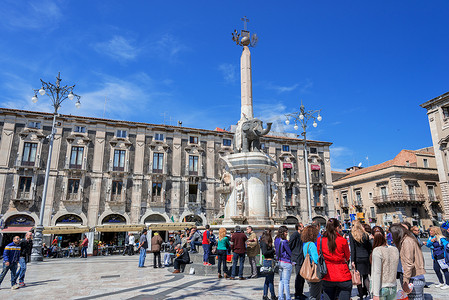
[[246, 84]]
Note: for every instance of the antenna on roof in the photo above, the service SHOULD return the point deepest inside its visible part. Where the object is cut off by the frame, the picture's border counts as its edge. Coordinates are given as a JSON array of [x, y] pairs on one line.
[[104, 109]]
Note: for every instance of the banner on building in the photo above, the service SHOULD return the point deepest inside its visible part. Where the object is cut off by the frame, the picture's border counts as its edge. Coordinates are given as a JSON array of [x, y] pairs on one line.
[[315, 167]]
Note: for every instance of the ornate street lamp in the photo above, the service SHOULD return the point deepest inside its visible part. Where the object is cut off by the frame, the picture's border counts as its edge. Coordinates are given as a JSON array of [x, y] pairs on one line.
[[57, 94], [302, 117]]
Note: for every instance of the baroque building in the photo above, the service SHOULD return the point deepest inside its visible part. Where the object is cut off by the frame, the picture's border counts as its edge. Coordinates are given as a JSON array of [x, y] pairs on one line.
[[438, 114], [405, 188], [119, 172]]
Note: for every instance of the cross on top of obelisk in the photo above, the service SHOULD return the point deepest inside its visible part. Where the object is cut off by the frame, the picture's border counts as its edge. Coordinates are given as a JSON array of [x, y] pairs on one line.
[[245, 21], [244, 38]]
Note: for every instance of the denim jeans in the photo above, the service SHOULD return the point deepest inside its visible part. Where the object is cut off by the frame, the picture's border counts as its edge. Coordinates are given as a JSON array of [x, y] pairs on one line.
[[23, 267], [221, 254], [193, 245], [143, 254], [206, 251], [84, 252], [168, 258], [13, 269], [235, 258], [388, 293], [269, 280], [285, 272]]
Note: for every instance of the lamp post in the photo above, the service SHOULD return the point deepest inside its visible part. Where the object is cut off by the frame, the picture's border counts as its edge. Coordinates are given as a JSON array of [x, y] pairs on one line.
[[58, 94], [302, 117]]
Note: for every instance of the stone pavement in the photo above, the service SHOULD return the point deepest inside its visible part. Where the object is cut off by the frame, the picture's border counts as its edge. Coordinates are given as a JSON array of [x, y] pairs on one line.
[[117, 277]]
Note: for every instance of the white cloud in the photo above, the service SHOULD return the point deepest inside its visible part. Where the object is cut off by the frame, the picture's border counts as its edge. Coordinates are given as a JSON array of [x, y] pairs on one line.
[[30, 15], [304, 87], [127, 99], [119, 48], [275, 113], [168, 47], [229, 72], [340, 156]]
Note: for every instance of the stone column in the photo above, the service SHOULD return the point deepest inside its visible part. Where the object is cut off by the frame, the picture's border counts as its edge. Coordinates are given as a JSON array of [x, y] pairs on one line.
[[176, 192], [96, 177], [53, 174], [5, 152], [246, 84], [136, 199]]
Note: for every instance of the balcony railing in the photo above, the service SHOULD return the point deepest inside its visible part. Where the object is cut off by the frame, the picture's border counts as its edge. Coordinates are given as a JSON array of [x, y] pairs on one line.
[[159, 171], [193, 173], [117, 198], [344, 204], [358, 203], [192, 198], [398, 198], [434, 198]]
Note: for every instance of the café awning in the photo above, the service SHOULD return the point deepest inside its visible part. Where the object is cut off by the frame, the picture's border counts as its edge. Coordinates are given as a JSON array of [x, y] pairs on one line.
[[16, 229], [170, 226], [119, 227], [65, 229]]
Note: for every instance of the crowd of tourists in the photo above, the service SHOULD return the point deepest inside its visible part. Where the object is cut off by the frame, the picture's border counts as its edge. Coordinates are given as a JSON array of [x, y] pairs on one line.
[[332, 262]]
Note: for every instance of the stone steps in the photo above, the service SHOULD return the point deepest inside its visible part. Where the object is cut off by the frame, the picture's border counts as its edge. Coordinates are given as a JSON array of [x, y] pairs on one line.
[[202, 270]]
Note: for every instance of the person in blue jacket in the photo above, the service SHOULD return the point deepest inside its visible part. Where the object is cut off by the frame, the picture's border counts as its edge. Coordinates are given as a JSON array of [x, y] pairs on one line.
[[437, 243], [309, 237], [11, 256]]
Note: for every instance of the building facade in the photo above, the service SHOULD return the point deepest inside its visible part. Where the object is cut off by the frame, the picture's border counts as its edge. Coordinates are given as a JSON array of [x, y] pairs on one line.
[[438, 114], [119, 172], [405, 188]]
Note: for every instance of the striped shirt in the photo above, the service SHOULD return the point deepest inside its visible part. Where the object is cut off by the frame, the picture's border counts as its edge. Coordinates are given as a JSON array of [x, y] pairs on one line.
[[11, 253]]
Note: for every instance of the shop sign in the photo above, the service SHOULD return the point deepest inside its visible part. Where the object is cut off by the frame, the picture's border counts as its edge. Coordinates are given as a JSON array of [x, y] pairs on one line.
[[287, 166], [315, 167]]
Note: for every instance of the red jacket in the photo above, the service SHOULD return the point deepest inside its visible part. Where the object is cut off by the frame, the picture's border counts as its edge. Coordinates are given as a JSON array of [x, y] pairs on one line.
[[337, 268]]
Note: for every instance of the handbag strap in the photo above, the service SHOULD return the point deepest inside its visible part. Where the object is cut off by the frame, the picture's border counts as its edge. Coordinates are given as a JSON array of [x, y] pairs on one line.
[[321, 245], [307, 251]]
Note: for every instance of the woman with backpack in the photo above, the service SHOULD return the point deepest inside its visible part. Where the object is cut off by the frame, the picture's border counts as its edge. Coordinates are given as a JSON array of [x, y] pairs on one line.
[[266, 245], [437, 243], [222, 252], [361, 248], [283, 254], [337, 283], [309, 237]]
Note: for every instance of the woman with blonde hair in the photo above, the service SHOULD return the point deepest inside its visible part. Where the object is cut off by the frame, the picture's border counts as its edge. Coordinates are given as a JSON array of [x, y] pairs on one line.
[[222, 251], [437, 243], [361, 249]]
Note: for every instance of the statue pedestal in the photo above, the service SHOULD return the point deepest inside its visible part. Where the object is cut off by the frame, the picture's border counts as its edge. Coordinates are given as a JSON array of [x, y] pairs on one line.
[[249, 201]]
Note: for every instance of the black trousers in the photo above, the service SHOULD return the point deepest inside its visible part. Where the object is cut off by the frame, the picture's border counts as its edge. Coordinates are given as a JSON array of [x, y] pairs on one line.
[[337, 290], [177, 263], [157, 255], [299, 282]]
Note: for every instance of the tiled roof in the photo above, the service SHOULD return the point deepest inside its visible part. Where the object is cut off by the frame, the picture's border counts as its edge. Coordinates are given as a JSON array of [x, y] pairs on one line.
[[400, 160]]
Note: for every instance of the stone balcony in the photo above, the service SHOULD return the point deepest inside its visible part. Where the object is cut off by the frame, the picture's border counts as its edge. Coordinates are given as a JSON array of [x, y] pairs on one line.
[[399, 199], [23, 198]]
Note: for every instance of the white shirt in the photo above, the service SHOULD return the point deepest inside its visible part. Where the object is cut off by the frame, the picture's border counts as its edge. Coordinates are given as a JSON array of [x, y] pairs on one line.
[[132, 240]]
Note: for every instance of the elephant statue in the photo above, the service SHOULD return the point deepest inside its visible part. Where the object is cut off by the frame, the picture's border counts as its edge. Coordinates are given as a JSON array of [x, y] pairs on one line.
[[250, 133]]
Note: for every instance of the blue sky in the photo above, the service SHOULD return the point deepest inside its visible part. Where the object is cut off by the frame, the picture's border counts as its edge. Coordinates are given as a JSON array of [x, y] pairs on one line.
[[367, 64]]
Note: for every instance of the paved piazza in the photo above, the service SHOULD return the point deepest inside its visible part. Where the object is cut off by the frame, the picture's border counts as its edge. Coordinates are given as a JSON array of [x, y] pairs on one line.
[[117, 277]]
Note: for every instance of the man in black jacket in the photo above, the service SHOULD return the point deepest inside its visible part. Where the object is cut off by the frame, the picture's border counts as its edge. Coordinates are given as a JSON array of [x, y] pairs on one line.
[[297, 257], [26, 245]]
